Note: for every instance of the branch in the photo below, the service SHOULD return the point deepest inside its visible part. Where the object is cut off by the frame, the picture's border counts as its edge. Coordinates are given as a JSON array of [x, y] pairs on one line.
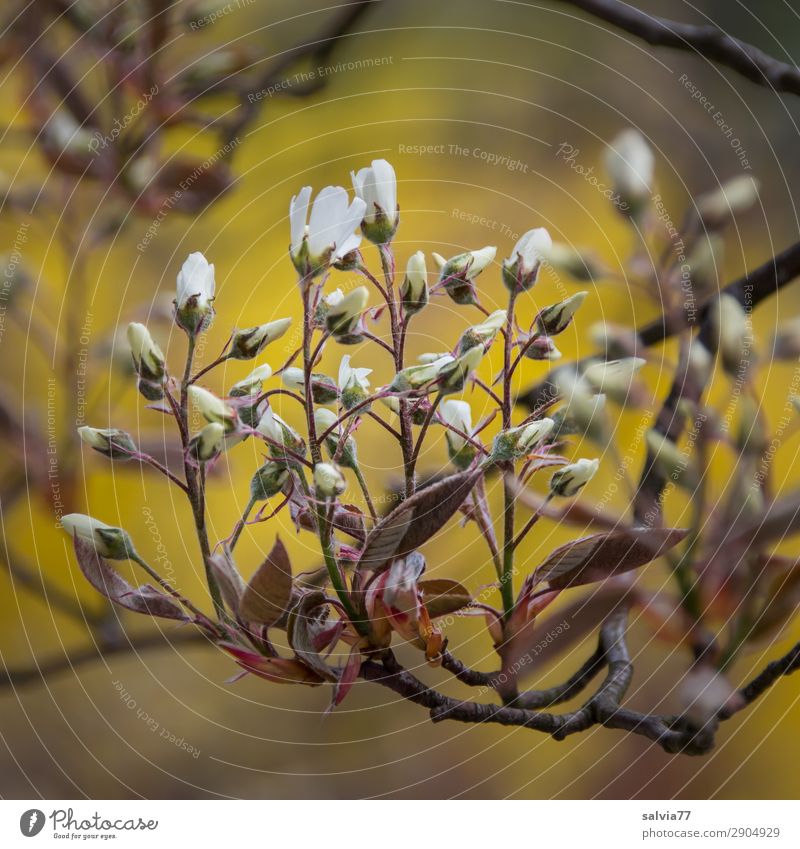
[[674, 734], [749, 290], [98, 651], [708, 41]]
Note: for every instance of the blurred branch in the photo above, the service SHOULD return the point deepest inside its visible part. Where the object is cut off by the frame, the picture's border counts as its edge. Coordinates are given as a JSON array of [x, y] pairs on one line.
[[98, 651], [749, 290], [318, 49], [708, 41]]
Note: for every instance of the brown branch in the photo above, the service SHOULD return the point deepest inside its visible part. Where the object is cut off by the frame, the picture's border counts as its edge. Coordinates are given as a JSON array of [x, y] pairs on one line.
[[708, 41], [98, 651], [674, 734]]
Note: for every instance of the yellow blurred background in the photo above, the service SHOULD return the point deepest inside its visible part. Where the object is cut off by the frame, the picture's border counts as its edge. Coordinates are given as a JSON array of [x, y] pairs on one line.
[[491, 90]]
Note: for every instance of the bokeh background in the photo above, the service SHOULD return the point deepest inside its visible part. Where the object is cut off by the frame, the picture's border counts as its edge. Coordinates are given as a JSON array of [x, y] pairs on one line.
[[482, 82]]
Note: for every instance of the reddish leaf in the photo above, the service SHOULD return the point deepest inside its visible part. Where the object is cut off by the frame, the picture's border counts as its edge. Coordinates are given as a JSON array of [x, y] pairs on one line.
[[308, 619], [279, 670], [595, 558], [543, 641], [416, 520], [230, 582], [269, 592], [347, 677], [113, 586], [442, 596]]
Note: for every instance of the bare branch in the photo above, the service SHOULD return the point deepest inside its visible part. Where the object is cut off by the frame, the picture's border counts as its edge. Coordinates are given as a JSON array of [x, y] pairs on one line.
[[708, 41]]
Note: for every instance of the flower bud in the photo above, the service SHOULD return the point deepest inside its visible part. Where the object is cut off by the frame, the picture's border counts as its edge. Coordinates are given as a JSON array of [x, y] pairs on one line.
[[249, 343], [520, 441], [325, 419], [578, 263], [521, 269], [458, 273], [208, 443], [583, 414], [483, 333], [630, 164], [345, 311], [542, 348], [670, 462], [113, 543], [737, 195], [751, 438], [699, 364], [705, 262], [328, 480], [279, 433], [414, 289], [377, 187], [786, 341], [268, 480], [418, 377], [323, 388], [734, 334], [148, 359], [112, 443], [615, 341], [353, 384], [212, 409], [253, 383], [613, 378], [194, 311], [571, 479], [453, 375], [557, 318], [458, 414]]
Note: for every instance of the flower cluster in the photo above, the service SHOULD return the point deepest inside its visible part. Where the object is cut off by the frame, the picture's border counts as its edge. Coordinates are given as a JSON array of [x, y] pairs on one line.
[[374, 585]]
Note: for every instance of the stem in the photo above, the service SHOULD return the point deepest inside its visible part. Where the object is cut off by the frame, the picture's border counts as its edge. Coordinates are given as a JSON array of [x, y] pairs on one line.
[[365, 491], [532, 521], [322, 522], [507, 579], [196, 492], [424, 430], [237, 531], [165, 585], [398, 344]]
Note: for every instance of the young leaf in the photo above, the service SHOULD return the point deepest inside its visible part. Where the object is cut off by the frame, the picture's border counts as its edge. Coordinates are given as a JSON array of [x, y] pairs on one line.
[[595, 558], [416, 520], [267, 595], [113, 586], [307, 619], [279, 670], [442, 596], [347, 677], [541, 642], [230, 581]]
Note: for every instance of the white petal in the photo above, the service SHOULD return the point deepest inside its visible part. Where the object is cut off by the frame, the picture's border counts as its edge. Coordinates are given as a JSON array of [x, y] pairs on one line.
[[298, 215]]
